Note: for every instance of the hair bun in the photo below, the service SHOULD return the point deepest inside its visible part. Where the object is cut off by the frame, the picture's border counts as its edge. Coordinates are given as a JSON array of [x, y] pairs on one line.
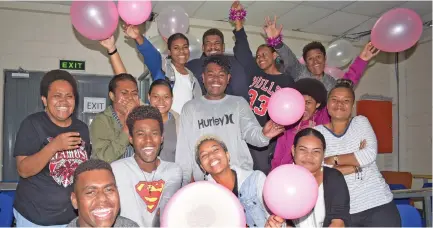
[[344, 83]]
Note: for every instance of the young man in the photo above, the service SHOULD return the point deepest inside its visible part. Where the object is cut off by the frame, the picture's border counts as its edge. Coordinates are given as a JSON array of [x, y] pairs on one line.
[[96, 198], [108, 131], [145, 182], [228, 117], [213, 44]]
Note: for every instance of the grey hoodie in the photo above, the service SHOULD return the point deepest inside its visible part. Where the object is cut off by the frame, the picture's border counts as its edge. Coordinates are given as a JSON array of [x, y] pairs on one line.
[[230, 119]]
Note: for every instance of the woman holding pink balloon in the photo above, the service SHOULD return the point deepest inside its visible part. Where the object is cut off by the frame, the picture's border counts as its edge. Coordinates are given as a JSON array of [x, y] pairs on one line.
[[352, 149], [315, 95], [213, 158], [331, 206]]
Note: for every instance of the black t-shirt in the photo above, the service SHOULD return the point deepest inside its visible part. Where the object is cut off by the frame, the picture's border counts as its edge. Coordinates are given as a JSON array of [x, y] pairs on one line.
[[44, 198], [261, 89]]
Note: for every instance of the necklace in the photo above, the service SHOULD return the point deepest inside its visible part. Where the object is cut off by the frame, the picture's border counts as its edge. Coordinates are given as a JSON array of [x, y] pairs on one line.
[[149, 185]]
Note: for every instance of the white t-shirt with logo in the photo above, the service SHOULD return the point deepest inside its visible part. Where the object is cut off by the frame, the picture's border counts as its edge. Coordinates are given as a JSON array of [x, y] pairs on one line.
[[182, 90]]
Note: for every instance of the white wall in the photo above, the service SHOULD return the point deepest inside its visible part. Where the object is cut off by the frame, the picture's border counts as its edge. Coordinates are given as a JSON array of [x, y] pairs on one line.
[[42, 34], [416, 113]]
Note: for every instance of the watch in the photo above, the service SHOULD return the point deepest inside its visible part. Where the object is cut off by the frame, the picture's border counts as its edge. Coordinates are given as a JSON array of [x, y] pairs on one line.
[[336, 160]]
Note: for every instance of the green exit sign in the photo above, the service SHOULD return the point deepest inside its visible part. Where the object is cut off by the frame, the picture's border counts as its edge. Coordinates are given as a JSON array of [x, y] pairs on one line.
[[72, 65]]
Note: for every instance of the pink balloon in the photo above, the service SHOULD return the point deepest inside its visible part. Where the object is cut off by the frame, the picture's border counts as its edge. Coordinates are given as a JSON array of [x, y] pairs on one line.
[[135, 12], [301, 60], [334, 72], [203, 204], [396, 30], [96, 20], [286, 106], [290, 191]]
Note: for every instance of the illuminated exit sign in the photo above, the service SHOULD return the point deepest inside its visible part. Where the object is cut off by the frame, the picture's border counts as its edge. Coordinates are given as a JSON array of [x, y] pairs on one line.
[[72, 65]]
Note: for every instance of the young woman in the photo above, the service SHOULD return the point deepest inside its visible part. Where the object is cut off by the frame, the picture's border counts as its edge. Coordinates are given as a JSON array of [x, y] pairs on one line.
[[186, 86], [48, 148], [315, 95], [213, 158], [161, 97], [352, 149], [332, 205], [265, 78]]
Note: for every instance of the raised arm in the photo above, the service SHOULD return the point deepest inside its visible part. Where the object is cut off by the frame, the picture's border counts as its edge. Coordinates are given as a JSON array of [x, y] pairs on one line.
[[290, 61], [357, 68], [242, 49], [113, 54], [152, 58]]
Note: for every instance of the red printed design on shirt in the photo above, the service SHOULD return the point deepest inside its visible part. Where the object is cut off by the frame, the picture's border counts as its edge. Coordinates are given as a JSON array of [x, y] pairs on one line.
[[150, 193], [260, 92], [63, 164]]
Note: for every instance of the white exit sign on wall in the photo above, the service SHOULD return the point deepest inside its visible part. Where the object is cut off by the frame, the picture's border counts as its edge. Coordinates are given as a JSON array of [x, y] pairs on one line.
[[94, 104]]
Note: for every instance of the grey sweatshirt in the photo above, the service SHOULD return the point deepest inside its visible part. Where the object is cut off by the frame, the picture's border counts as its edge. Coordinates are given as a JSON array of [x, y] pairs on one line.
[[231, 119]]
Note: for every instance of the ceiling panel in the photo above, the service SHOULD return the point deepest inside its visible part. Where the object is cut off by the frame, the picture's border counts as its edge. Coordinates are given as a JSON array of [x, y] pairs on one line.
[[302, 15], [189, 6], [334, 5], [336, 23], [216, 10], [370, 8], [427, 17], [259, 10], [421, 8]]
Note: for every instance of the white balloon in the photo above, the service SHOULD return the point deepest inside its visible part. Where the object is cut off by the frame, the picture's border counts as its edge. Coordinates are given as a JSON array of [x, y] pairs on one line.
[[159, 44], [339, 53], [195, 44]]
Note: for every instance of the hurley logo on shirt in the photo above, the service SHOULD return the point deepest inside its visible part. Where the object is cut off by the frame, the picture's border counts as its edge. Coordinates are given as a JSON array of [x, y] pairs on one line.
[[224, 120], [63, 164]]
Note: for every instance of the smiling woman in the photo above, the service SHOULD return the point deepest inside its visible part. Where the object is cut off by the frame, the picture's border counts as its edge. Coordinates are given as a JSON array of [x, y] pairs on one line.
[[43, 151]]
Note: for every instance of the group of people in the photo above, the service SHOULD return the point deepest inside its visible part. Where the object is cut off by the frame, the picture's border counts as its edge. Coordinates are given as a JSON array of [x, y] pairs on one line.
[[206, 120]]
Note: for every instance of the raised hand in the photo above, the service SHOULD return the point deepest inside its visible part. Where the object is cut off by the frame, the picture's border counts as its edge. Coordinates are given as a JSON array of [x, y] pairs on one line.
[[66, 141], [369, 52], [131, 31], [270, 27], [109, 44]]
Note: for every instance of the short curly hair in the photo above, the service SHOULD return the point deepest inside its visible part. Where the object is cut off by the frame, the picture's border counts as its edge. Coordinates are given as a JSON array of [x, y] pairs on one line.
[[89, 165], [58, 75], [313, 88], [220, 60], [141, 113], [311, 46], [212, 32], [206, 138]]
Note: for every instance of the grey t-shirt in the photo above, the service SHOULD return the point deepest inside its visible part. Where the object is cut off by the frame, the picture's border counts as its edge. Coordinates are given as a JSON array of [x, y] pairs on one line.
[[120, 222], [168, 148]]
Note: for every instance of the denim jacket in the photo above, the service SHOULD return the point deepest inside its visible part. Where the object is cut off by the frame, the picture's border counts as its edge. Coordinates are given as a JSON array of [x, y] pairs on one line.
[[250, 188]]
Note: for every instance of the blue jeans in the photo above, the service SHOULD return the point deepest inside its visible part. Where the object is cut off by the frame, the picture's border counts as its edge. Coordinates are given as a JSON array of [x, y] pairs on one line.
[[21, 221]]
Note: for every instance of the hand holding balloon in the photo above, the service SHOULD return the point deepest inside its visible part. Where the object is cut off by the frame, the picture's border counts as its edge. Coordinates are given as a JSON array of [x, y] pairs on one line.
[[274, 221], [272, 129], [369, 52], [109, 44]]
